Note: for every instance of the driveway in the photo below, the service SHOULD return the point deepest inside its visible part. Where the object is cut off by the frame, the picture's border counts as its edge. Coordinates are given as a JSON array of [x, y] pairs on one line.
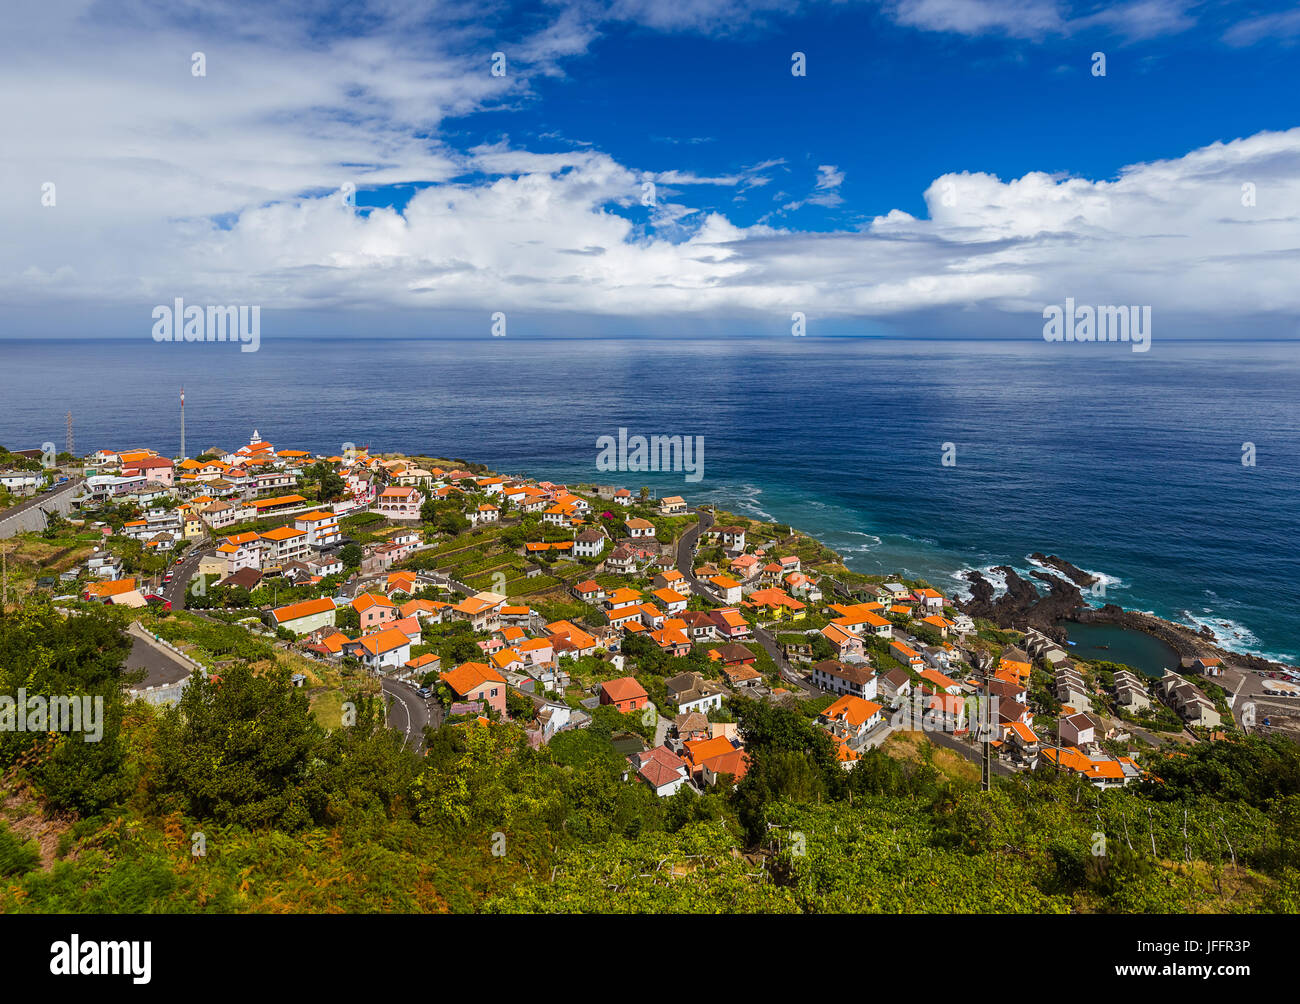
[[160, 666]]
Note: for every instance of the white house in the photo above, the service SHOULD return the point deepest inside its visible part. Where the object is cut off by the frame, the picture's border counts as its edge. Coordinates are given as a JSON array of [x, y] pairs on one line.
[[589, 544], [381, 651], [842, 678], [320, 526], [662, 769]]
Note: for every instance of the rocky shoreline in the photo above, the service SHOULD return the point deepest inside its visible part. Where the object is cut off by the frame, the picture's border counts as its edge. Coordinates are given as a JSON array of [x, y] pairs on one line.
[[1023, 606]]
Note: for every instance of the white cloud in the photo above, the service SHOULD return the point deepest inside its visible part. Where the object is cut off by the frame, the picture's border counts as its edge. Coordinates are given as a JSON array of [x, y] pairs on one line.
[[1036, 19], [170, 185], [1284, 26]]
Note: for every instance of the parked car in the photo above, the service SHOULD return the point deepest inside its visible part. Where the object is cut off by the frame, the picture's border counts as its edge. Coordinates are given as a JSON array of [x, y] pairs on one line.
[[167, 577], [425, 692]]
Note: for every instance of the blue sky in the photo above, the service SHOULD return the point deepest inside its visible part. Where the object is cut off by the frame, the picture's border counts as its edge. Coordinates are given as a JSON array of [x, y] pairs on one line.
[[895, 106], [945, 166]]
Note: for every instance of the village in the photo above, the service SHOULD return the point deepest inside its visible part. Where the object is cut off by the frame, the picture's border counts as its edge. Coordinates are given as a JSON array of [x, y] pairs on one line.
[[471, 597]]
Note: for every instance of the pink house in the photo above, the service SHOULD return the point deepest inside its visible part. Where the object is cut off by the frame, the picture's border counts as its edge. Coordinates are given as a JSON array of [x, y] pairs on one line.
[[157, 469], [399, 503], [374, 610], [477, 681]]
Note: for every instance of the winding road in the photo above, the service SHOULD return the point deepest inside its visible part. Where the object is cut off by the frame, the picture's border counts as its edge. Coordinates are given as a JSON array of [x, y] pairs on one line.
[[410, 713], [686, 546]]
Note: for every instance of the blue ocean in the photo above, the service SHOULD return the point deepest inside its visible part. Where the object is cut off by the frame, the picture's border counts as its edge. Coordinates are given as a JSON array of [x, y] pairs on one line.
[[1129, 465]]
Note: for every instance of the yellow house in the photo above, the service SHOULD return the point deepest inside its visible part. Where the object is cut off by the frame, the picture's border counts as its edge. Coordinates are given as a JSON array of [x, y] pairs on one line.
[[213, 564]]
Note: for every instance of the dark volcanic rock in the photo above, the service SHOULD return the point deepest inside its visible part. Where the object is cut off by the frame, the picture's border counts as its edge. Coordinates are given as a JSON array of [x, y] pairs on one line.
[[1022, 605], [1075, 574], [981, 595]]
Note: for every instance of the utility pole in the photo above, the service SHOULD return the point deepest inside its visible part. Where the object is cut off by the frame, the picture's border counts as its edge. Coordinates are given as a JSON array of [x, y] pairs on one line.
[[71, 451], [182, 423], [986, 777]]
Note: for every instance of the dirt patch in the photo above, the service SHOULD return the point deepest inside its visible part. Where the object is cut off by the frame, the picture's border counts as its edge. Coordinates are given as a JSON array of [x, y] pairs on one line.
[[27, 820], [905, 746], [914, 746]]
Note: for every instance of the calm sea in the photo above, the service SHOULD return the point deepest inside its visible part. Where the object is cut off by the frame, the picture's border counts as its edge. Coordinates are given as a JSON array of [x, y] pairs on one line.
[[1127, 464]]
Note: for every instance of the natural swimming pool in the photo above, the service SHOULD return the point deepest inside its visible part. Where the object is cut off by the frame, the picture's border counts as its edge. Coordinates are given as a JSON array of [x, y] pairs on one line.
[[1113, 643]]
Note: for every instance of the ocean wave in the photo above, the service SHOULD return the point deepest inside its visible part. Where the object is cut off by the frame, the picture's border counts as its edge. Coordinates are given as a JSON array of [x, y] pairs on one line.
[[963, 592], [1104, 584], [873, 542], [1233, 636], [739, 498]]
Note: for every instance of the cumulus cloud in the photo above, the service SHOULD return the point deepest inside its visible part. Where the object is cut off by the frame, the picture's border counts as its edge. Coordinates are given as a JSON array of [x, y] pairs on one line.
[[226, 189]]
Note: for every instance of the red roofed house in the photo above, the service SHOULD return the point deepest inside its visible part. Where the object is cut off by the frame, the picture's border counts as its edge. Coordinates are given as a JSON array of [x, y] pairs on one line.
[[851, 717], [374, 610], [625, 693], [734, 763], [662, 769], [305, 617], [380, 651], [399, 503], [477, 681]]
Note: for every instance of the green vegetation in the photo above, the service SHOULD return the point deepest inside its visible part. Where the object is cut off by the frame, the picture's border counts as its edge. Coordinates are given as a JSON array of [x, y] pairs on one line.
[[300, 814]]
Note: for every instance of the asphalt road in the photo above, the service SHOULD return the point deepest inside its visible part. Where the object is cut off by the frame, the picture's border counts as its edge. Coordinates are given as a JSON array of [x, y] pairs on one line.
[[159, 666], [176, 590], [769, 643], [409, 713], [686, 553], [45, 500]]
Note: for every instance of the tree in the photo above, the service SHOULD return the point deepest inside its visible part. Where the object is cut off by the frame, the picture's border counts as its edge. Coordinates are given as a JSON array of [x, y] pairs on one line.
[[518, 706], [236, 748], [331, 486], [51, 656], [351, 555], [821, 648]]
